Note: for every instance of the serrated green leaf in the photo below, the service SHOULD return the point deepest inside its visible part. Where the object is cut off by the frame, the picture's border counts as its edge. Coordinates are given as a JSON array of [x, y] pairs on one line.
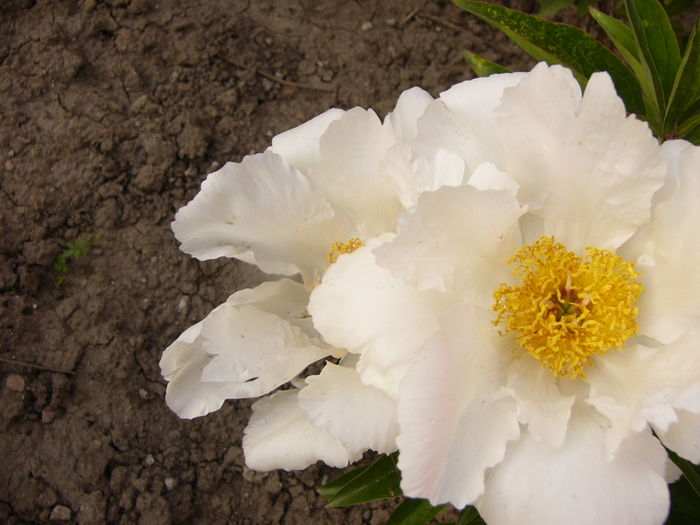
[[414, 512], [659, 52], [470, 516], [483, 67], [560, 44], [379, 480], [549, 7], [686, 88]]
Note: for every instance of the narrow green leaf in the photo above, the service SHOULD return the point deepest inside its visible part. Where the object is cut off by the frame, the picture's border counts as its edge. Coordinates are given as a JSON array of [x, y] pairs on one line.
[[687, 126], [414, 512], [685, 505], [686, 88], [379, 480], [549, 7], [690, 471], [483, 67], [659, 51], [560, 44], [620, 34], [470, 516]]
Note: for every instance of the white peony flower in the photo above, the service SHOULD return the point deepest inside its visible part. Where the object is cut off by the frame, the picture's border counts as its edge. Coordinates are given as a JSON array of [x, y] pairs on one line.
[[295, 210], [540, 321]]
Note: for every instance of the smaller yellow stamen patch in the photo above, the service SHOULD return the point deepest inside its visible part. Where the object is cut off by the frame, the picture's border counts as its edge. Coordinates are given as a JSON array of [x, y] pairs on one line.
[[568, 308], [340, 248]]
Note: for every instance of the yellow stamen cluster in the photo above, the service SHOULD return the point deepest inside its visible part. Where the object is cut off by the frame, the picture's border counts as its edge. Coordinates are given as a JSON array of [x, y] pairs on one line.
[[567, 308], [339, 248]]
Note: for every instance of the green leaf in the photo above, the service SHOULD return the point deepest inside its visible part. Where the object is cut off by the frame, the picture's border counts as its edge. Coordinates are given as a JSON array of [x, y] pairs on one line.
[[686, 88], [414, 512], [688, 128], [483, 67], [379, 480], [560, 44], [470, 516], [620, 34], [659, 51], [685, 506], [549, 7], [690, 471]]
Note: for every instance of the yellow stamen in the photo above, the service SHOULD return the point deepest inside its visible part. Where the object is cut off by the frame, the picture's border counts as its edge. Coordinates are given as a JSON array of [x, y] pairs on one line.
[[568, 309], [339, 248]]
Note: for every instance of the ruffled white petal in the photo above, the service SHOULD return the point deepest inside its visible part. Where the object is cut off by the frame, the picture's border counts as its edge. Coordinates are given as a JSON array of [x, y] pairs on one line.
[[668, 252], [261, 210], [415, 176], [360, 416], [253, 351], [541, 404], [403, 120], [258, 340], [362, 307], [582, 165], [454, 424], [300, 145], [642, 386], [576, 483], [181, 365], [456, 239], [683, 436], [350, 174], [280, 435]]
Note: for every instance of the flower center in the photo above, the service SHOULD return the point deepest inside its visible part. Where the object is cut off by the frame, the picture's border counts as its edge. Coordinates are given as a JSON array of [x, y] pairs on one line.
[[568, 308], [339, 248]]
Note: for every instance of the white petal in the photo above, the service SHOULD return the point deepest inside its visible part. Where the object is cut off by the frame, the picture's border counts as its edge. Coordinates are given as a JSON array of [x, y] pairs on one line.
[[582, 165], [669, 253], [361, 416], [350, 172], [413, 177], [456, 239], [280, 435], [591, 168], [643, 386], [254, 351], [260, 210], [404, 118], [541, 405], [362, 307], [683, 437], [300, 145], [488, 177], [454, 425], [181, 366], [442, 125], [576, 484]]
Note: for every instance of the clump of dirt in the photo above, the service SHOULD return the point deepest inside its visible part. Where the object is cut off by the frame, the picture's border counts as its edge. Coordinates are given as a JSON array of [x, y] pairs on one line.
[[113, 113]]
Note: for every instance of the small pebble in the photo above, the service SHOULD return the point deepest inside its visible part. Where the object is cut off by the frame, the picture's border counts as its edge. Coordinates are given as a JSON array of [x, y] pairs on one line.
[[366, 26], [149, 460], [15, 382], [9, 165], [60, 513], [170, 483], [144, 394], [183, 305]]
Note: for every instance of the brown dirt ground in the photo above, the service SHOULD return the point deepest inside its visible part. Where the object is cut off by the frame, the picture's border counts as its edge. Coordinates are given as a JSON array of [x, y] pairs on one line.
[[112, 114]]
